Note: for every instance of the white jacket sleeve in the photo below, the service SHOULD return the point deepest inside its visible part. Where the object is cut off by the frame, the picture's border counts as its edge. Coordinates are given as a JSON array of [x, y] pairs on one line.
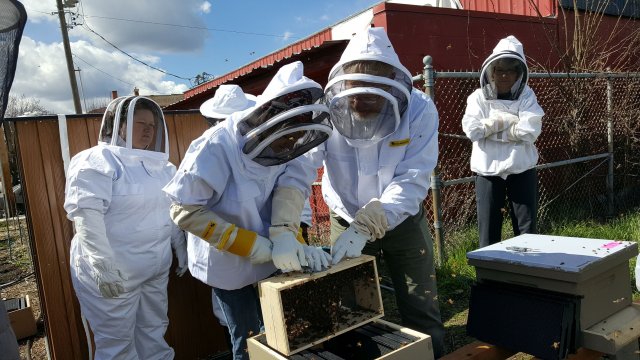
[[530, 113], [472, 120], [410, 185], [89, 182]]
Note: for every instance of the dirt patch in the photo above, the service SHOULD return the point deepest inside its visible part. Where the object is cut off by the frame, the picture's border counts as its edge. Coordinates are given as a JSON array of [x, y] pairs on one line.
[[18, 280]]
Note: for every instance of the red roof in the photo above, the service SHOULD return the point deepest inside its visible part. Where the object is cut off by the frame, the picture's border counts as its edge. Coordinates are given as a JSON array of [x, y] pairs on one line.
[[294, 49]]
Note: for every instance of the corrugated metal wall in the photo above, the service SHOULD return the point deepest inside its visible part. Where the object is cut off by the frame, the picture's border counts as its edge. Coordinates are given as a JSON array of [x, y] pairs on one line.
[[547, 8], [193, 331]]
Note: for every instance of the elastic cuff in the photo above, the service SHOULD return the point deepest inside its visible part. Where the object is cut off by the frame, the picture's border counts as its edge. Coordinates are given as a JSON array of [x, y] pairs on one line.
[[243, 242]]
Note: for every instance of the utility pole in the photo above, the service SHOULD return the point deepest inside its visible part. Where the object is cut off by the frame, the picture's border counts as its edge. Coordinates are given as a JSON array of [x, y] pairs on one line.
[[67, 53]]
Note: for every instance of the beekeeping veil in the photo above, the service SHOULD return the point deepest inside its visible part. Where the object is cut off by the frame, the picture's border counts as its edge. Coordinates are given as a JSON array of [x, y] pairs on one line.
[[508, 50], [134, 122], [368, 89], [13, 18], [287, 120]]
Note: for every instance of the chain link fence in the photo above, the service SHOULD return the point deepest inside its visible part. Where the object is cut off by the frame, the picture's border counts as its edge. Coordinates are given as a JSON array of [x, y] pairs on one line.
[[589, 151]]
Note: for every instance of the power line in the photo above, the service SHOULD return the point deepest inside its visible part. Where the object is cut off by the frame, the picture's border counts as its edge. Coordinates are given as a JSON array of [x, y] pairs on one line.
[[84, 25], [180, 25], [188, 26], [106, 73]]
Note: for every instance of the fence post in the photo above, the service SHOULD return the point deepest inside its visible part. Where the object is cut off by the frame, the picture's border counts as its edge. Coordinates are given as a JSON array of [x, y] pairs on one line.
[[610, 200], [429, 89]]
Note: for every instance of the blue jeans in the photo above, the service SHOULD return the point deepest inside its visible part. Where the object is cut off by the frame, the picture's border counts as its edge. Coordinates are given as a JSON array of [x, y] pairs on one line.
[[241, 309]]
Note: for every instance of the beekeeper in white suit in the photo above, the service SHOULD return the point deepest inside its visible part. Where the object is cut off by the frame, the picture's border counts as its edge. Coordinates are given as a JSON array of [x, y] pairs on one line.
[[121, 252], [241, 188], [377, 167], [228, 99], [503, 120]]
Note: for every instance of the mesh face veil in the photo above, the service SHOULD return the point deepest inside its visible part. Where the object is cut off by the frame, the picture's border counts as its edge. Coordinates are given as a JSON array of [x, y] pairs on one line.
[[286, 126], [134, 122], [366, 99]]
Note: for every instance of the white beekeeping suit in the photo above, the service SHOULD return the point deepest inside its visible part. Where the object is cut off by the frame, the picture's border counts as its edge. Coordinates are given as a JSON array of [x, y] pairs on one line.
[[240, 190], [121, 253], [503, 130], [377, 167], [503, 120], [359, 165]]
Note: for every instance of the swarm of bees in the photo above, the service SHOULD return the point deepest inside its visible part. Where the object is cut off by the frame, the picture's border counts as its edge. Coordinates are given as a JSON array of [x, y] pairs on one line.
[[324, 306]]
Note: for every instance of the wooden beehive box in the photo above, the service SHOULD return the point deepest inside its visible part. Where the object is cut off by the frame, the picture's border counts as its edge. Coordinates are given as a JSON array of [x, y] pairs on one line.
[[21, 317], [379, 339], [301, 310]]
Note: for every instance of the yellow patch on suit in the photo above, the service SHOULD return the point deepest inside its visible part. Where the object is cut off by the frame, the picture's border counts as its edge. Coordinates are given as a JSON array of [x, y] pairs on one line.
[[396, 143], [208, 230]]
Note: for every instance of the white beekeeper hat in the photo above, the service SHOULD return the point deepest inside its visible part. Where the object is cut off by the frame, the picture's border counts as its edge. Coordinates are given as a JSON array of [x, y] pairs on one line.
[[227, 100]]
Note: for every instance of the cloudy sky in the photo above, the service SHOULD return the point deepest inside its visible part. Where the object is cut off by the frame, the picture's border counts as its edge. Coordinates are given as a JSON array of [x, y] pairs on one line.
[[116, 44]]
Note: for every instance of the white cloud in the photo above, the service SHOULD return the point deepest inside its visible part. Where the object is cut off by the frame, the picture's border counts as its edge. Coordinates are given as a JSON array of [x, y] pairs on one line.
[[287, 35], [146, 25], [42, 75], [42, 72], [40, 11], [205, 7]]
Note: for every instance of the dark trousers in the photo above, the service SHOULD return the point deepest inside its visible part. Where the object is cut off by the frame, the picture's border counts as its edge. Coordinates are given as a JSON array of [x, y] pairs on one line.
[[407, 251], [522, 193]]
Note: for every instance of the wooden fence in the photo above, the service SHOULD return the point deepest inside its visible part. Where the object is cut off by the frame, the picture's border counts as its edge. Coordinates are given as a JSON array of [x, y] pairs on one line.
[[193, 330]]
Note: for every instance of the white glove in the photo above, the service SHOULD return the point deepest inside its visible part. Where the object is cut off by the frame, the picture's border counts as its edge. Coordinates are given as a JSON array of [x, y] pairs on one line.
[[179, 245], [92, 235], [261, 251], [349, 244], [317, 258], [497, 122], [288, 252], [109, 279]]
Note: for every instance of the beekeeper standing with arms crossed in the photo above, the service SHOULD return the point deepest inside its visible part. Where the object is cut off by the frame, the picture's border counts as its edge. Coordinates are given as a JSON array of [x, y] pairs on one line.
[[377, 167], [503, 120], [241, 188]]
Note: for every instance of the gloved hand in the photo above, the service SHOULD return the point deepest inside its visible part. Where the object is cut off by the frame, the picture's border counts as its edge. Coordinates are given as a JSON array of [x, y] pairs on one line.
[[317, 258], [508, 135], [371, 220], [261, 251], [179, 245], [349, 244], [92, 235], [288, 254], [108, 278], [497, 122]]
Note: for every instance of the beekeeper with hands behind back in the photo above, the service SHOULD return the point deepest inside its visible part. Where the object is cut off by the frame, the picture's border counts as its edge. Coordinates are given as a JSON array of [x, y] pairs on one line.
[[377, 167], [241, 188], [121, 252]]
